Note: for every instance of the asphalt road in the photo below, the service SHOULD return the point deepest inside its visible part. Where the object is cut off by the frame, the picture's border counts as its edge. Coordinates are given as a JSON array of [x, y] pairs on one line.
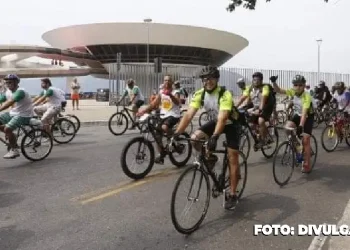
[[79, 198]]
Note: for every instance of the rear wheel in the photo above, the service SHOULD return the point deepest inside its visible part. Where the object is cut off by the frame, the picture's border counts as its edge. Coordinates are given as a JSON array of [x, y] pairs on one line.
[[63, 131], [33, 142], [118, 123]]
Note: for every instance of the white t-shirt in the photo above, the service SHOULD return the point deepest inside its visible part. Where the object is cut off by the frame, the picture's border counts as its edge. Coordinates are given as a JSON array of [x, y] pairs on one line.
[[54, 96], [167, 106]]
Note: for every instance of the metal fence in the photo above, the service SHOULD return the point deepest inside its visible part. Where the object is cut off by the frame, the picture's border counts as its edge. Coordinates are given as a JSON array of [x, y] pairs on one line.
[[148, 81]]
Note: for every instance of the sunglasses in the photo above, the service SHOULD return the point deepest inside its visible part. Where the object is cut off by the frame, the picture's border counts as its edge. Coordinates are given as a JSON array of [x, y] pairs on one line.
[[207, 79], [298, 85]]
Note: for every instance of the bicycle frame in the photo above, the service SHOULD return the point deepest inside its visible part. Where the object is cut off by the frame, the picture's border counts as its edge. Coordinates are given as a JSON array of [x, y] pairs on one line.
[[127, 111]]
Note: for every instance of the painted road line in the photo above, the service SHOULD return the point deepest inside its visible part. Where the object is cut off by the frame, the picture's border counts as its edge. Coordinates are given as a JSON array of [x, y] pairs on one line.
[[318, 242], [113, 190]]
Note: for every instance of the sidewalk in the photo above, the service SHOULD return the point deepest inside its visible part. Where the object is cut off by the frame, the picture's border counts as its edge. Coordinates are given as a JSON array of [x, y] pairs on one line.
[[93, 113]]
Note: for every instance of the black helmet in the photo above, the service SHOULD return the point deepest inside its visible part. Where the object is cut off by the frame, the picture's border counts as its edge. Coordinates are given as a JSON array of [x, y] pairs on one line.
[[299, 79], [241, 82], [339, 85], [210, 71], [12, 77], [259, 75], [322, 84]]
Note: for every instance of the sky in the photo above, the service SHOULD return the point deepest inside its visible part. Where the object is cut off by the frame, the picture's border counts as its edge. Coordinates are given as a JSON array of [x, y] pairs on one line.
[[282, 34]]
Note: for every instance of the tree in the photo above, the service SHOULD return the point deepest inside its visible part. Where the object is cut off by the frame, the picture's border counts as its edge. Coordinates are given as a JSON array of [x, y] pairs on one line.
[[248, 4]]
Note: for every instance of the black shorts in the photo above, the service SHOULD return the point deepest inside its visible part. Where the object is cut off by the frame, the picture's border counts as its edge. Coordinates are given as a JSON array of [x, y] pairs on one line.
[[232, 132], [265, 114], [308, 123], [170, 121], [139, 103]]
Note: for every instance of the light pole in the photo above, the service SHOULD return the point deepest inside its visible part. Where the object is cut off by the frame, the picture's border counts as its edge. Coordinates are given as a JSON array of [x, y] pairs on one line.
[[319, 42], [147, 21]]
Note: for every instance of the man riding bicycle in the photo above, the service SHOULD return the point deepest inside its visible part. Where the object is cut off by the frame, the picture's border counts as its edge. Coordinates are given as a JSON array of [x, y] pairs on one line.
[[53, 101], [20, 113], [242, 85], [136, 98], [303, 117], [342, 97], [225, 121], [264, 102], [169, 101]]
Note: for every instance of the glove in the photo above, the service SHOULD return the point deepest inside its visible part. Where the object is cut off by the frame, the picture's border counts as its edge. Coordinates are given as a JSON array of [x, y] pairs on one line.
[[273, 79], [212, 142], [300, 130]]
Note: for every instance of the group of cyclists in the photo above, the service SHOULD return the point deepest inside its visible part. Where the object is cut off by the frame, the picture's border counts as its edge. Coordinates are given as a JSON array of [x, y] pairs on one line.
[[258, 99], [22, 108]]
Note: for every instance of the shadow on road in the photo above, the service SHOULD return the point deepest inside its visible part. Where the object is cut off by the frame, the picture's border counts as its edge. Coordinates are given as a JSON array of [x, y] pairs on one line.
[[12, 238], [44, 163], [9, 199]]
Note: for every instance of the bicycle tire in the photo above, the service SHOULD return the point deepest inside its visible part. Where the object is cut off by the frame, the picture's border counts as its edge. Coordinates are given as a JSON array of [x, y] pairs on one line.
[[174, 219], [323, 143], [268, 156], [76, 123], [312, 137], [31, 135], [184, 162], [124, 164], [59, 122], [203, 116], [245, 168], [282, 183], [110, 121], [245, 137]]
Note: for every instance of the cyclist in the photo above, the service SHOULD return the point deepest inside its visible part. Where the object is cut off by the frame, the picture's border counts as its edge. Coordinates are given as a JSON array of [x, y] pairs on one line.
[[303, 117], [342, 97], [226, 121], [182, 91], [264, 101], [53, 101], [20, 113], [136, 98], [169, 101], [324, 95], [242, 85]]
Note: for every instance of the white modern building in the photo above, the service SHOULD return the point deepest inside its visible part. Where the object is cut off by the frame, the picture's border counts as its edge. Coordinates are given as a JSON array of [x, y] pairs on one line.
[[93, 48]]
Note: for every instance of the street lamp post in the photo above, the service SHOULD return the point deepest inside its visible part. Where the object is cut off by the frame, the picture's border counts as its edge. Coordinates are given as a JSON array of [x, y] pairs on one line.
[[147, 20], [319, 42]]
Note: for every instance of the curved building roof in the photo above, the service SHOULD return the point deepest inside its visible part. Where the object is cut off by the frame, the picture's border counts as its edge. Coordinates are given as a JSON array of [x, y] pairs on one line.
[[176, 44]]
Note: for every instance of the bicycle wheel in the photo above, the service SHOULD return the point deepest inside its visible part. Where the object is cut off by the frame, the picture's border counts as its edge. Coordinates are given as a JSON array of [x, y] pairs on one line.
[[197, 178], [316, 120], [314, 151], [121, 121], [347, 134], [140, 157], [189, 128], [243, 174], [245, 144], [75, 120], [34, 139], [60, 131], [287, 150], [272, 142], [179, 148], [328, 134], [203, 118]]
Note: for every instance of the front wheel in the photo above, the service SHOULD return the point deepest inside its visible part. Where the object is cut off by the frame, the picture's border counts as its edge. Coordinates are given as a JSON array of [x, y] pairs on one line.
[[272, 142], [314, 151], [195, 190], [179, 148], [75, 120], [244, 146], [283, 168], [139, 157], [329, 134], [32, 141], [118, 123]]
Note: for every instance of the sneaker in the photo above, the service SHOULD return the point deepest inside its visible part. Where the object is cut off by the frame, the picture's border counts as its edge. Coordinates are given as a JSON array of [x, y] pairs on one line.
[[13, 153], [159, 160], [231, 202], [305, 170]]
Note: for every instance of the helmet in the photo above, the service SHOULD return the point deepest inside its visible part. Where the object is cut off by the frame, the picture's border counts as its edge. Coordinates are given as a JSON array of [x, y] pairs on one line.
[[299, 79], [259, 75], [241, 82], [322, 84], [12, 77], [339, 85], [210, 71], [177, 83]]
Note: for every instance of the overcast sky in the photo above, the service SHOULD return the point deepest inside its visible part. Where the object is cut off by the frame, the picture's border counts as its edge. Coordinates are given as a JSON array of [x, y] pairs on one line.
[[281, 33]]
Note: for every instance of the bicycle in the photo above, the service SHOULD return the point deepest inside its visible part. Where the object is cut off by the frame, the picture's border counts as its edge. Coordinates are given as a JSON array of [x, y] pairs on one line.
[[153, 130], [122, 120], [70, 117], [291, 145], [284, 114], [340, 128], [271, 137], [30, 132], [221, 185]]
